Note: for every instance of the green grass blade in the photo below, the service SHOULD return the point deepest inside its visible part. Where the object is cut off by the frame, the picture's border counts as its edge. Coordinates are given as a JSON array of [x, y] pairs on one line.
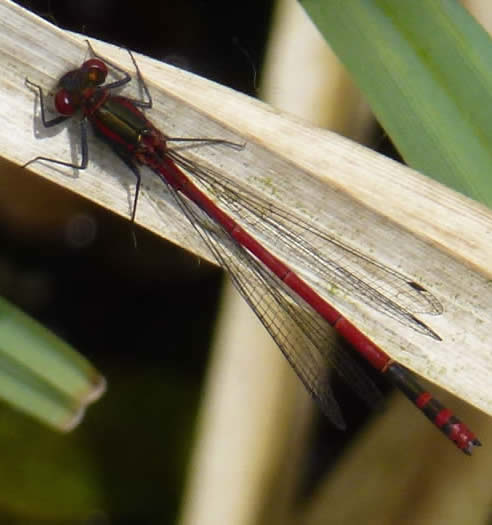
[[426, 69], [42, 375]]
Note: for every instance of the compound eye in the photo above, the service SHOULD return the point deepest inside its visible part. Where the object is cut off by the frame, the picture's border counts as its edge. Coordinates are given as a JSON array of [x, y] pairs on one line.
[[96, 70], [64, 103]]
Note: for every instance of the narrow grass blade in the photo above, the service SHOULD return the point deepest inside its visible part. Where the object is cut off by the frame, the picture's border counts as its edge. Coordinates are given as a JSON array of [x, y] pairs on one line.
[[425, 68]]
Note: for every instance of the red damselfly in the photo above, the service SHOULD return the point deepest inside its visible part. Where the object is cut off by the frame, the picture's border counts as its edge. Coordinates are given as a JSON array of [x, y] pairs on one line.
[[227, 216]]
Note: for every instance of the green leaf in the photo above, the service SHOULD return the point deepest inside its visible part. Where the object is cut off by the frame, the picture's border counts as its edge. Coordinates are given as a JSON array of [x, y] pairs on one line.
[[42, 375], [426, 70]]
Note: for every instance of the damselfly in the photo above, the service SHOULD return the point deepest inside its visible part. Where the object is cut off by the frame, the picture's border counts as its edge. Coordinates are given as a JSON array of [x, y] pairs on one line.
[[229, 218]]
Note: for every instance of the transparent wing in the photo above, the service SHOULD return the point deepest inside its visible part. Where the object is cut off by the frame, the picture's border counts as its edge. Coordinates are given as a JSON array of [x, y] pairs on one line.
[[299, 331], [334, 265]]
